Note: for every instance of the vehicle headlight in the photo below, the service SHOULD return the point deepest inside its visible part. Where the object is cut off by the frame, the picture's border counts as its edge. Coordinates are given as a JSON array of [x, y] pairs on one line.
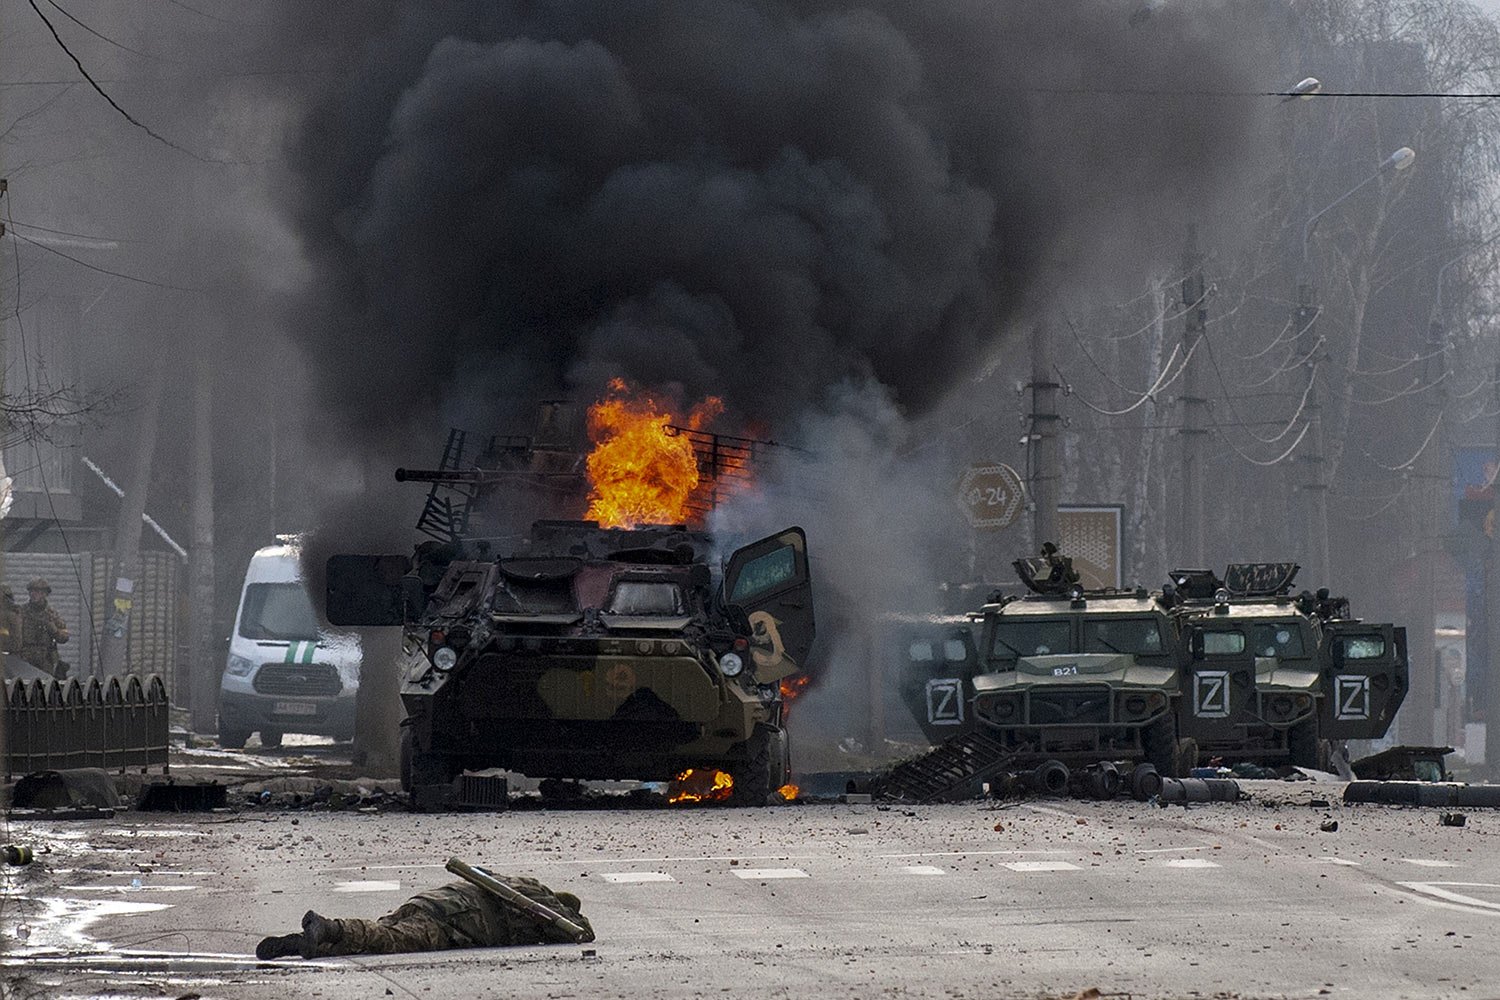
[[730, 665], [238, 666], [444, 657]]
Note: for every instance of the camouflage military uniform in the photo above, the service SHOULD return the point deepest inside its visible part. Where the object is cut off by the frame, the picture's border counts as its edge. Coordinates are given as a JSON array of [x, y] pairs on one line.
[[42, 630], [457, 915], [10, 621]]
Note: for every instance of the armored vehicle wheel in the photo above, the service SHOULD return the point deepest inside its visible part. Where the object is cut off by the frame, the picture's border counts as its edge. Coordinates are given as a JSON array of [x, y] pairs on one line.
[[270, 738], [1304, 748], [756, 777], [1159, 742], [419, 768], [1186, 757], [232, 737]]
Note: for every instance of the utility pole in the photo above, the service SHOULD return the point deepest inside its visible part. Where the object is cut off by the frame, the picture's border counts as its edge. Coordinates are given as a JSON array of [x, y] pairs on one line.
[[206, 661], [127, 561], [1490, 705], [1313, 486], [1042, 440], [1422, 682], [1194, 405]]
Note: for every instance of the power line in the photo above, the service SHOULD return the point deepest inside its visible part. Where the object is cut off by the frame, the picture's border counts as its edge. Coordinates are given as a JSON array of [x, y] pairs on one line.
[[104, 94], [102, 270], [76, 236], [105, 38]]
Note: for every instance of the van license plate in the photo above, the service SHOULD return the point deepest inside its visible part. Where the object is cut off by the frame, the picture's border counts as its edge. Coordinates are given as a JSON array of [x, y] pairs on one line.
[[294, 708]]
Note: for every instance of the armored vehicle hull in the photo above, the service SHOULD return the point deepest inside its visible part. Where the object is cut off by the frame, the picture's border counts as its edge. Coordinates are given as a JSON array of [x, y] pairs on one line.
[[595, 654]]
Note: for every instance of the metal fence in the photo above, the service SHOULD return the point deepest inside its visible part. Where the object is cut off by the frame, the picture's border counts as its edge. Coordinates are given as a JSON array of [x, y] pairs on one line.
[[113, 724]]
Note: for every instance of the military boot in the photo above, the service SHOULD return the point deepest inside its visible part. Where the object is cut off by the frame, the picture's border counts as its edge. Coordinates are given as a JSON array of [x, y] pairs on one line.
[[318, 932], [282, 946]]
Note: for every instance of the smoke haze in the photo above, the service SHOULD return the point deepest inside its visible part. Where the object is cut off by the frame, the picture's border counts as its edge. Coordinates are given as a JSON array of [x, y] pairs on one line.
[[754, 200]]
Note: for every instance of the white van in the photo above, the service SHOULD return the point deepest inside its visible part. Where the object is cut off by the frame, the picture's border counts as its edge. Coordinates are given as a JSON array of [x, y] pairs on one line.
[[284, 673]]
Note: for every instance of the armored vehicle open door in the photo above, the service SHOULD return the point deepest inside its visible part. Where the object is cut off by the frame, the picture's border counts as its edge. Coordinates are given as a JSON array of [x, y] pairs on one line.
[[769, 581], [1366, 679], [1219, 689]]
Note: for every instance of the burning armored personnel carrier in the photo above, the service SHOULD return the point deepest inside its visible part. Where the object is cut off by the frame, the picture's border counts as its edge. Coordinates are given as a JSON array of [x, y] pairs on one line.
[[583, 652], [1238, 668]]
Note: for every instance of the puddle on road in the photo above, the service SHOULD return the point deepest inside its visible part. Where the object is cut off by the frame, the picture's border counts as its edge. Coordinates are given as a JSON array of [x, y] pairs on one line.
[[62, 925]]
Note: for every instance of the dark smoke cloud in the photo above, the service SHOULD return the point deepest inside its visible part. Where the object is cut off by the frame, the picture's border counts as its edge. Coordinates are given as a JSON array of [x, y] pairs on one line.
[[754, 199]]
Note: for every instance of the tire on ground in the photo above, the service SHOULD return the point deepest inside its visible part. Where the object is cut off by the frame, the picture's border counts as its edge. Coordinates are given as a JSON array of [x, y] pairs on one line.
[[754, 775], [1304, 748], [1159, 743], [270, 738], [232, 737]]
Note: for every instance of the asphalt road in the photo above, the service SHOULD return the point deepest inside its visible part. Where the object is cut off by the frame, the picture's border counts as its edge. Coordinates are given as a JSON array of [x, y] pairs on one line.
[[974, 900]]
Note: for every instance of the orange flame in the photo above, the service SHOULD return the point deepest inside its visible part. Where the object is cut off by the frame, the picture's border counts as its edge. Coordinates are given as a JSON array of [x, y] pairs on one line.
[[791, 688], [640, 472], [789, 792], [694, 785]]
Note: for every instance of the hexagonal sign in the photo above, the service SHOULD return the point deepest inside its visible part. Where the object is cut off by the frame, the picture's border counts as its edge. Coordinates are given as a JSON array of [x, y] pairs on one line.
[[991, 495]]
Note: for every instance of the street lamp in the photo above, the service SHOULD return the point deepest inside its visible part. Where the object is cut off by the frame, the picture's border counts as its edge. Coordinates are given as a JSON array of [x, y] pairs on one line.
[[1307, 90], [1399, 160]]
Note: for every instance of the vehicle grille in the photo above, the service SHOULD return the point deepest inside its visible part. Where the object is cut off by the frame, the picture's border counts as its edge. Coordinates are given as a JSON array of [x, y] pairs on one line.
[[304, 680], [1078, 706]]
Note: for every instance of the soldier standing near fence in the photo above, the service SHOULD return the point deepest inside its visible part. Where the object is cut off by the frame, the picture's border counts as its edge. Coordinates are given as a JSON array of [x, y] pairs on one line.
[[10, 620], [42, 630]]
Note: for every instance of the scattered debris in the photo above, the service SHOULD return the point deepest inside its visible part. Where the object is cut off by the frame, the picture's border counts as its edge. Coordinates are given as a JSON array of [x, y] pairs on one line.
[[1404, 764], [17, 855], [1329, 826], [1452, 819], [189, 796], [83, 787]]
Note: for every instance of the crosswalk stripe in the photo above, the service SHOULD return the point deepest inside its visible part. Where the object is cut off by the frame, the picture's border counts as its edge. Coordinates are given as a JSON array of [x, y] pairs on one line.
[[1042, 866], [1429, 863], [924, 870], [632, 877], [1190, 863], [765, 873]]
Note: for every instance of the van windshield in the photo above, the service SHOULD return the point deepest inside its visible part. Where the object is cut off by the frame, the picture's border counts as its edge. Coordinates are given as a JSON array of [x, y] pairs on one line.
[[278, 611]]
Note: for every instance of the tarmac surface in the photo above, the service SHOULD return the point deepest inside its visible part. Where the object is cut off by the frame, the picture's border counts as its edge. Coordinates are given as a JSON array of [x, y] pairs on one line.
[[984, 899]]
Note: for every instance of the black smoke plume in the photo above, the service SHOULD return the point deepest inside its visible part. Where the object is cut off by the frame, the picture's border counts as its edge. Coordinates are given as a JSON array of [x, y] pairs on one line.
[[510, 201]]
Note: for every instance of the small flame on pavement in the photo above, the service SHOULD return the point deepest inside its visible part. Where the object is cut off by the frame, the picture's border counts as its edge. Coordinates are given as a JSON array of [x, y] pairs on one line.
[[695, 785], [640, 470], [789, 792]]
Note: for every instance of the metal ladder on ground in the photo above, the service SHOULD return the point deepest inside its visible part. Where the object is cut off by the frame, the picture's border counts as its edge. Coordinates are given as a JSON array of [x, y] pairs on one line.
[[954, 770]]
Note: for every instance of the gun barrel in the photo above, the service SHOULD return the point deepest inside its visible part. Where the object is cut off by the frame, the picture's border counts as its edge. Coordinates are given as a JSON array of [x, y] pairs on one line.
[[544, 915], [438, 475]]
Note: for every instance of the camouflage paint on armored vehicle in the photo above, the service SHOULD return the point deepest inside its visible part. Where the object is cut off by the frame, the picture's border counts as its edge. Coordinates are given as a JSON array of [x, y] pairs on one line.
[[1274, 677], [1077, 675], [597, 654]]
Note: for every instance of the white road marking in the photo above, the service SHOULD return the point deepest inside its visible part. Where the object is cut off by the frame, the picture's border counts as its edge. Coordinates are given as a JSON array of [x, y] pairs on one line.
[[528, 859], [628, 877], [371, 885], [1174, 850], [1441, 891], [1429, 863], [1042, 866], [1190, 863], [924, 870], [1330, 860], [965, 854], [750, 874], [129, 888]]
